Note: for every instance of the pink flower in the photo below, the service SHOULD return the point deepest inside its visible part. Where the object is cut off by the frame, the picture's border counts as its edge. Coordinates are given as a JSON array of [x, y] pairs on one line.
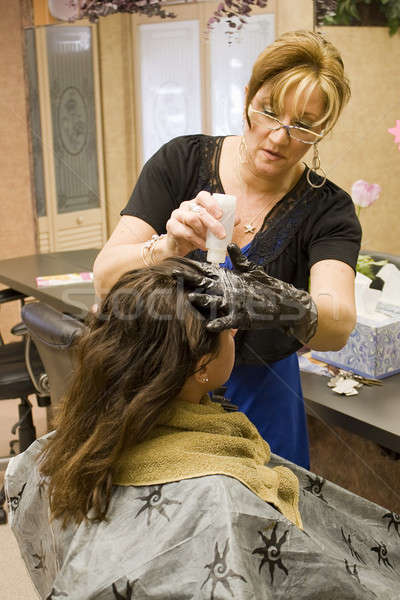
[[396, 132], [364, 194]]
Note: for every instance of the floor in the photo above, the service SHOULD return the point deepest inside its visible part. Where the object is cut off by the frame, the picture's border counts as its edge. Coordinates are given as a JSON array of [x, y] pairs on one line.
[[355, 463]]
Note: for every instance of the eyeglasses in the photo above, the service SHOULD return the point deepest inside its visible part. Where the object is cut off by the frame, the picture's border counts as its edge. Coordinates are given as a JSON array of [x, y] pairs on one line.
[[301, 134]]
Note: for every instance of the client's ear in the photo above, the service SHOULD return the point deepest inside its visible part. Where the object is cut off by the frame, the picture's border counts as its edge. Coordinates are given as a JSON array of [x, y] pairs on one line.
[[201, 374]]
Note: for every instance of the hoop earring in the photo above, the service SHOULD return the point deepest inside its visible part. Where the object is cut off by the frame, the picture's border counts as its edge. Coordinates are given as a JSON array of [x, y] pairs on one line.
[[316, 166]]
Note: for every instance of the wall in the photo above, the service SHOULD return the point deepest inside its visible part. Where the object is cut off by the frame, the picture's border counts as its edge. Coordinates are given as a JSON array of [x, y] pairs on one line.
[[17, 222], [116, 77], [360, 146], [294, 14]]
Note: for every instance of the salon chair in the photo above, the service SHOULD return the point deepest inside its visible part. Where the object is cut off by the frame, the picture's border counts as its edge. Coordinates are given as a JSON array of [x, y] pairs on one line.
[[21, 375], [54, 334]]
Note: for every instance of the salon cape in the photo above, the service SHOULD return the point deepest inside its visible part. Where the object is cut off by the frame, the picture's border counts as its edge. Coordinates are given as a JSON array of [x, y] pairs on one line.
[[207, 537]]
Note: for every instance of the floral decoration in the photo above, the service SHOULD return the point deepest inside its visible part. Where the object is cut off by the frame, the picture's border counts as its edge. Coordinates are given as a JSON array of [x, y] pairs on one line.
[[396, 132], [233, 12], [324, 9], [94, 9], [364, 194], [359, 12], [368, 266]]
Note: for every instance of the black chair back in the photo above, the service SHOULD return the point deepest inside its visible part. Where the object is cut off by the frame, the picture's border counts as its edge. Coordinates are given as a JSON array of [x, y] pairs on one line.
[[54, 334]]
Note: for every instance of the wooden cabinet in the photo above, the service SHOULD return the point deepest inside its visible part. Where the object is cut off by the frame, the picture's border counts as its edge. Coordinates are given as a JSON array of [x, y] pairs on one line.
[[66, 133]]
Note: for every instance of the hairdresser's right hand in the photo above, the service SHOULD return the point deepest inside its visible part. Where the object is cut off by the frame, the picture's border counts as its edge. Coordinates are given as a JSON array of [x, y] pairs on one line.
[[187, 230]]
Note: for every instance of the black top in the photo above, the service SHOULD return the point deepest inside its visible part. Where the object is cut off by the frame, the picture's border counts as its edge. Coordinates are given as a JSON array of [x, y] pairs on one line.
[[307, 225]]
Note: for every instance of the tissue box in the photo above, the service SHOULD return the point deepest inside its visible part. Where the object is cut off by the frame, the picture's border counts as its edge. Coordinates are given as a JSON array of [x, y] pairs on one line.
[[372, 350]]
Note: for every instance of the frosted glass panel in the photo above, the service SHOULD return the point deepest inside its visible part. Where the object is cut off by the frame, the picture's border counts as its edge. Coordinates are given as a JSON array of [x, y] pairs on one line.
[[231, 66], [35, 123], [69, 52], [170, 82]]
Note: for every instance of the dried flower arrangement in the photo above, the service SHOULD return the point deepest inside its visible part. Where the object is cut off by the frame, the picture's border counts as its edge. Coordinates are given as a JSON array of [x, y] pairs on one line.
[[233, 12], [94, 9]]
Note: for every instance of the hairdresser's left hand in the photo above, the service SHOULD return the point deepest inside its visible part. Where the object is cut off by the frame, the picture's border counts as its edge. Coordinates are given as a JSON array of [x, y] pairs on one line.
[[248, 298]]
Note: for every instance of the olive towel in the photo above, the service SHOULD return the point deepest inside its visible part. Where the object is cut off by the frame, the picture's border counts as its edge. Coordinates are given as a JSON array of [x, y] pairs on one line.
[[195, 440]]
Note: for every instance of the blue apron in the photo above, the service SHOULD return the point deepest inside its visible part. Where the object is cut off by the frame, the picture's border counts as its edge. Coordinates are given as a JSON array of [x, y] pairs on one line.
[[271, 396]]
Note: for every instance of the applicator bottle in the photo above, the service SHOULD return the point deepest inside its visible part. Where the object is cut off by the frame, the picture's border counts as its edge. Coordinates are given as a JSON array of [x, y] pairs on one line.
[[217, 248]]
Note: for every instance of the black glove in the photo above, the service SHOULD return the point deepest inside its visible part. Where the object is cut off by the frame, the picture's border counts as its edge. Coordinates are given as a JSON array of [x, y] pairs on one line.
[[248, 298]]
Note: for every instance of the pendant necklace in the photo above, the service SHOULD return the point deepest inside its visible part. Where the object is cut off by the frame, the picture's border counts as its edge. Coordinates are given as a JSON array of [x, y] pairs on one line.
[[249, 227]]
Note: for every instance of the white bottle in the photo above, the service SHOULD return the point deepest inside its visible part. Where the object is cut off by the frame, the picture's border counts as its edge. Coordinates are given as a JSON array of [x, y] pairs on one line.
[[216, 247]]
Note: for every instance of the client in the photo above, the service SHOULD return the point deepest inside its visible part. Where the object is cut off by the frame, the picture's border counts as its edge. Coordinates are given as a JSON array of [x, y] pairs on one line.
[[148, 489]]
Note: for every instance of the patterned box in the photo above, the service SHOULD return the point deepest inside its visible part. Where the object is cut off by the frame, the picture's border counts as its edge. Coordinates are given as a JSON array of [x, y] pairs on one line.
[[372, 350]]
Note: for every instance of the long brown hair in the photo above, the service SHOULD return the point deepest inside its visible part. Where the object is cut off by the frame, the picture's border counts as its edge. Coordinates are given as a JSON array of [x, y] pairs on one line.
[[134, 358]]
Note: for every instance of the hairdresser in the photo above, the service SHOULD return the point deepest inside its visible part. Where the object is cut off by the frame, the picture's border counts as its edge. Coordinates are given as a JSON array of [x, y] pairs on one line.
[[299, 228]]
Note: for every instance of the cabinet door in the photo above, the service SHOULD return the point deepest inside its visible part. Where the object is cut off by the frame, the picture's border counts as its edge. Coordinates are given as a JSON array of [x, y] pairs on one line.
[[74, 215]]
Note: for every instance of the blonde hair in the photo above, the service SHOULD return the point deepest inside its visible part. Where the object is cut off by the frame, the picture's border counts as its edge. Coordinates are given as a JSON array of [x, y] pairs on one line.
[[305, 59]]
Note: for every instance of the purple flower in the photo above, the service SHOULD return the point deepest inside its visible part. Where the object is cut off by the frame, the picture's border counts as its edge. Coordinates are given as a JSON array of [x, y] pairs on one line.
[[364, 194]]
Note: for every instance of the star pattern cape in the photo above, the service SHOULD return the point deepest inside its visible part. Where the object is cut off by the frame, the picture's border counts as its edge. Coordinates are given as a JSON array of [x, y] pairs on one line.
[[207, 538]]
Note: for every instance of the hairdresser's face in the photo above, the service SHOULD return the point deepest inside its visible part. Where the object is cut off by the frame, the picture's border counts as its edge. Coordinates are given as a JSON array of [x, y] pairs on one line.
[[274, 153], [220, 368]]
